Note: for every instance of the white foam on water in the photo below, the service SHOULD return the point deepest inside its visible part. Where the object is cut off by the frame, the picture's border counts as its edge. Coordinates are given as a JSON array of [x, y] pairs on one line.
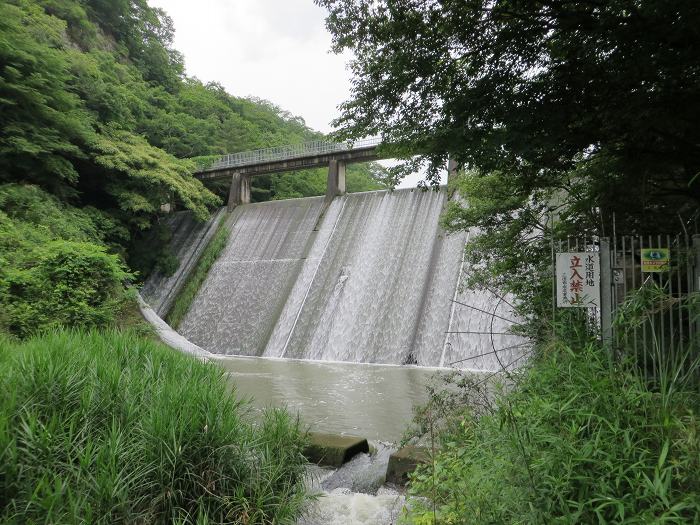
[[343, 507]]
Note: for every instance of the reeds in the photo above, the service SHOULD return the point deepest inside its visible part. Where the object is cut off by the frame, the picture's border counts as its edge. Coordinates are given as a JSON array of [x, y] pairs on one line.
[[112, 428]]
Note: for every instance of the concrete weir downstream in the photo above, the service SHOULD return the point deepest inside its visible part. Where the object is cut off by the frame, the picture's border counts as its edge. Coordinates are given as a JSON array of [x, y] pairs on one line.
[[341, 310]]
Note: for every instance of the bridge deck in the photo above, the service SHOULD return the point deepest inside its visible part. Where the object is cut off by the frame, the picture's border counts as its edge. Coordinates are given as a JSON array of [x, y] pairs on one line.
[[292, 157]]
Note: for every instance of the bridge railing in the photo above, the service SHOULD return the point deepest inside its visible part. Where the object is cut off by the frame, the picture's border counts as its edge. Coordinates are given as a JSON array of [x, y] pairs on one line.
[[293, 151]]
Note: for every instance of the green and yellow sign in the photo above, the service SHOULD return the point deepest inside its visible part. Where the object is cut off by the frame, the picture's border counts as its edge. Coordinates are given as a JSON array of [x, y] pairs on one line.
[[655, 259]]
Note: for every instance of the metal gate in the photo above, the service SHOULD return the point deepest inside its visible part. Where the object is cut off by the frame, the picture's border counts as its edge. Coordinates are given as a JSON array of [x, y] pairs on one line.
[[669, 322]]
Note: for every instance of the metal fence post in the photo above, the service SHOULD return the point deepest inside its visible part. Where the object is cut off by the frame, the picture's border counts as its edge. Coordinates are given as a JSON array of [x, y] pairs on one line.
[[695, 285], [606, 303]]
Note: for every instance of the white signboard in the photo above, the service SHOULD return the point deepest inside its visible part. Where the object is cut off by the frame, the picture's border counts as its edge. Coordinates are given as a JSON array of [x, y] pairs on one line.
[[578, 280]]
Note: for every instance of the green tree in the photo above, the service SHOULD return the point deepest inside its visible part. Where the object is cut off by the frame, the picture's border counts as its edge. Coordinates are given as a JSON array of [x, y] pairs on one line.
[[43, 123], [98, 121], [54, 266], [597, 100], [583, 108], [67, 120]]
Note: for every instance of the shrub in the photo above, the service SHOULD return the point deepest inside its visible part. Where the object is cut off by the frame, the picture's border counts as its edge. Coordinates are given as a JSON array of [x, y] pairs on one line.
[[578, 440], [54, 265], [35, 217], [63, 283], [150, 250], [109, 428]]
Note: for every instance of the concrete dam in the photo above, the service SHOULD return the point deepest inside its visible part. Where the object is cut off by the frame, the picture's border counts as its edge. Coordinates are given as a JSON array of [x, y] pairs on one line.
[[367, 277]]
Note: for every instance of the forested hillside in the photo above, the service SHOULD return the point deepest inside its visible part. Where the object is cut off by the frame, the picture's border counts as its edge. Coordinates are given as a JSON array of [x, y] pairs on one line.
[[98, 128]]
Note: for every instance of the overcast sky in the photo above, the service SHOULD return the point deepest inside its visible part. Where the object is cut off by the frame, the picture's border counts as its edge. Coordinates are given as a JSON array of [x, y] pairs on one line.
[[278, 50]]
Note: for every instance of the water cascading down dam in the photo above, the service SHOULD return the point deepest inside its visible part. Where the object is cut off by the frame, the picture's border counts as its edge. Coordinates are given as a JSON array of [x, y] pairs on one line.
[[367, 277]]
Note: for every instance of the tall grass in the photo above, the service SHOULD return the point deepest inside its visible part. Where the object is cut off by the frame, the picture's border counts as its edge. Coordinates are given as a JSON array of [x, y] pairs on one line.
[[581, 435], [578, 440], [184, 299], [110, 428]]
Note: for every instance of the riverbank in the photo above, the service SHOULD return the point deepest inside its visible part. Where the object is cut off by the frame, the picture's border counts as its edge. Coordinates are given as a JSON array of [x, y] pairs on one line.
[[112, 428], [580, 438]]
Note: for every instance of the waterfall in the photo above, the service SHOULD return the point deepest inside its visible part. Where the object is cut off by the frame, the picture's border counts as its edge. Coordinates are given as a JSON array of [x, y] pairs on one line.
[[240, 301], [368, 277]]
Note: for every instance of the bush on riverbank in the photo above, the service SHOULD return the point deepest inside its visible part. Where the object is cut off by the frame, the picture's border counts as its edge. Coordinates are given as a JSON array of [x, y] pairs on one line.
[[579, 440], [55, 269], [111, 428]]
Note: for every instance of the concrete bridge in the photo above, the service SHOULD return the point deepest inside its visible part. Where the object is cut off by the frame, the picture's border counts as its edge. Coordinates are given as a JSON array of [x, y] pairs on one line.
[[241, 167]]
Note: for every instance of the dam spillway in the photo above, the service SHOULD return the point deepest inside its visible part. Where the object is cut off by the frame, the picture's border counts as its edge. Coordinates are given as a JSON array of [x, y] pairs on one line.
[[369, 277]]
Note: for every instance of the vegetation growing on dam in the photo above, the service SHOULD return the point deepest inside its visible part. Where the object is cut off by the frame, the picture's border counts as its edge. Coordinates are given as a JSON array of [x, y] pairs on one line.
[[199, 274], [111, 428], [568, 118], [98, 122]]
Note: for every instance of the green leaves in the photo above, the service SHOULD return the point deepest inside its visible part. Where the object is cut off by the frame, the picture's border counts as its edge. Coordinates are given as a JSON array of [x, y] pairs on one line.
[[602, 446], [63, 284], [95, 111], [113, 429], [584, 108], [53, 99], [141, 177], [43, 123], [54, 265]]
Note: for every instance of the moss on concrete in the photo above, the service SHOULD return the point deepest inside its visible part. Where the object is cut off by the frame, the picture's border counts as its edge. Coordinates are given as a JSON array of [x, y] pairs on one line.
[[404, 461], [209, 256], [333, 450]]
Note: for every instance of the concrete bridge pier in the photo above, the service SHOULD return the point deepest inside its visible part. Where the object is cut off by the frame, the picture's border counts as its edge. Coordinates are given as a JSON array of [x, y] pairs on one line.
[[240, 190], [336, 178]]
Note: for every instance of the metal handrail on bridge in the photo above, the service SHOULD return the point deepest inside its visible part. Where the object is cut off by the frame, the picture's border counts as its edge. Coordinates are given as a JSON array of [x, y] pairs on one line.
[[293, 151]]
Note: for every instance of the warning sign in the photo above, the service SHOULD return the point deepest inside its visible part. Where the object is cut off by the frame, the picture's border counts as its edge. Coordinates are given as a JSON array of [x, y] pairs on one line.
[[578, 280], [655, 259]]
